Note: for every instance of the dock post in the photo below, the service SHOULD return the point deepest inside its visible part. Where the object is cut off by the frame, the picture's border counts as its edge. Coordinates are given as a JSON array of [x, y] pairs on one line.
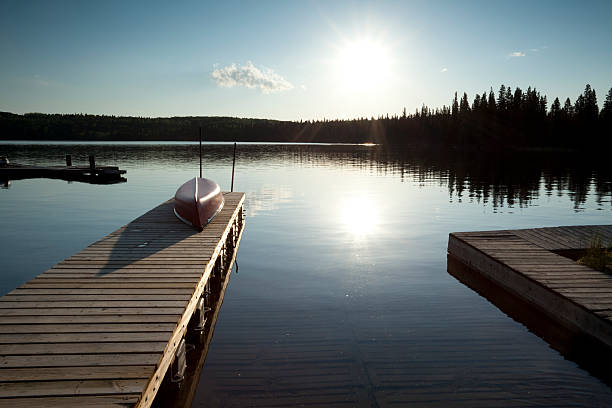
[[92, 162], [233, 165], [68, 160]]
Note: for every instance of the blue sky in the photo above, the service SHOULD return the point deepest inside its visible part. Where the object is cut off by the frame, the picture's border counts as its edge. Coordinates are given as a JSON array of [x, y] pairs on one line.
[[293, 59]]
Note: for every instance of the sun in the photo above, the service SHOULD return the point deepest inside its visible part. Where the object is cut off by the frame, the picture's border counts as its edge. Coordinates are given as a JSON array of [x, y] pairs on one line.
[[362, 64]]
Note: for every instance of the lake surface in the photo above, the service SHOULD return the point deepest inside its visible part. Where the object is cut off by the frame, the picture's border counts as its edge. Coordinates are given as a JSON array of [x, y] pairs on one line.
[[342, 295]]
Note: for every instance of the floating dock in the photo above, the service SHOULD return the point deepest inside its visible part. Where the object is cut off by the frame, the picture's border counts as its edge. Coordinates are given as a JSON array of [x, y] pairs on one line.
[[92, 175], [103, 327], [535, 266]]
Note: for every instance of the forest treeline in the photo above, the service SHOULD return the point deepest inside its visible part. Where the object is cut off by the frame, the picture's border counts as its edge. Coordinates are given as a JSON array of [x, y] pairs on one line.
[[508, 118]]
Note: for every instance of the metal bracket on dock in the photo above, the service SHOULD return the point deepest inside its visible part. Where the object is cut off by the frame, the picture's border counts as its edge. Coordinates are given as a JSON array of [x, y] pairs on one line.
[[199, 318], [179, 364]]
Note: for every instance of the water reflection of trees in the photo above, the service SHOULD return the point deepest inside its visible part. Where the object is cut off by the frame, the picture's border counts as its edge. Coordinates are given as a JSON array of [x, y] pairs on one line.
[[499, 179], [502, 180]]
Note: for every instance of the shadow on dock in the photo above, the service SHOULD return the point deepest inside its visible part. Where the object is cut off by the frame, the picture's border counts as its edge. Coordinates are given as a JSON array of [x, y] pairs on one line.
[[130, 244], [139, 240], [78, 335], [586, 351]]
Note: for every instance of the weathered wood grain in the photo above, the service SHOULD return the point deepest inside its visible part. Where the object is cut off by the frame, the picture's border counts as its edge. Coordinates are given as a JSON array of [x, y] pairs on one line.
[[101, 327], [524, 263]]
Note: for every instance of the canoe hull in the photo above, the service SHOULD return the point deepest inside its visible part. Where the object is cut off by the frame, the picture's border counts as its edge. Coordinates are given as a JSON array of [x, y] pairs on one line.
[[198, 201]]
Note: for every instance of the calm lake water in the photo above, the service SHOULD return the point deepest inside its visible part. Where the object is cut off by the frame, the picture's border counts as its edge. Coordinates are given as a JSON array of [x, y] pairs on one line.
[[342, 295]]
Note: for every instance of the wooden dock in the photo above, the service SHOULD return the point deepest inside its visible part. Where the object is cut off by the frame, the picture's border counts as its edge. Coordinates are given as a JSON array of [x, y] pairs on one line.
[[91, 175], [101, 328], [528, 264]]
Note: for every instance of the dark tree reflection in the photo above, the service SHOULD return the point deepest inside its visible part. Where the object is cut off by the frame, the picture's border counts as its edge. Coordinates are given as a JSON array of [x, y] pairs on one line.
[[501, 179]]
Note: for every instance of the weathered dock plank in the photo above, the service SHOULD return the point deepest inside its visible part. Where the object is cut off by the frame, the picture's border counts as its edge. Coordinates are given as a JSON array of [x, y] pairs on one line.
[[525, 263], [113, 401], [101, 327]]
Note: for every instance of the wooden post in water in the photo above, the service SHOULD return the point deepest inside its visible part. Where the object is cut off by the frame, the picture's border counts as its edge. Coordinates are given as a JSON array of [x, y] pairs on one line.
[[233, 165], [200, 151], [92, 162], [68, 160]]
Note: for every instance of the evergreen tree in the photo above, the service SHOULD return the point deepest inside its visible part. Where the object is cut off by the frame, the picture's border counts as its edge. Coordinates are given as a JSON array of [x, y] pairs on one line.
[[606, 111], [509, 98], [579, 106], [484, 106], [543, 104], [476, 103], [555, 109], [517, 100], [491, 104], [464, 106], [501, 98], [424, 111], [531, 101], [568, 109], [455, 107], [590, 108]]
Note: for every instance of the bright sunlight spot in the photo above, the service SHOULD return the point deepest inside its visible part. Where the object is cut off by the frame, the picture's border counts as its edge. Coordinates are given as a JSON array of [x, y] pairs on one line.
[[360, 215], [363, 64]]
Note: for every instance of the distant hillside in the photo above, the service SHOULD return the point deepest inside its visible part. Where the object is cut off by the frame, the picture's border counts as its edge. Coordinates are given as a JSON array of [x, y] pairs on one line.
[[39, 126], [513, 119]]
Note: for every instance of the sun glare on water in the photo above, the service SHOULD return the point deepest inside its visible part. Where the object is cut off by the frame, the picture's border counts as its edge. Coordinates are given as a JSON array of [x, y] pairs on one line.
[[360, 215], [363, 64]]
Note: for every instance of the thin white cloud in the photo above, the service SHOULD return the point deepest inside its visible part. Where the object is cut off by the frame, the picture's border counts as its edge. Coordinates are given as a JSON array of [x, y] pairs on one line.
[[538, 49], [252, 77], [39, 80], [444, 69], [517, 54]]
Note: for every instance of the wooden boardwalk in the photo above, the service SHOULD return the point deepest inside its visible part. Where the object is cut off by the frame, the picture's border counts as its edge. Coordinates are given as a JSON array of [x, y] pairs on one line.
[[100, 328], [528, 264]]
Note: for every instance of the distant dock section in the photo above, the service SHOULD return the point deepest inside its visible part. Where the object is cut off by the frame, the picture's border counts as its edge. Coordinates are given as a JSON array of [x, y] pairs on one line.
[[536, 266], [92, 174], [108, 326]]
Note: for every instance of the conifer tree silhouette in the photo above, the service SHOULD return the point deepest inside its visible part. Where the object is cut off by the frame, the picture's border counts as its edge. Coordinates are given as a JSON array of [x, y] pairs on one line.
[[555, 109], [606, 111]]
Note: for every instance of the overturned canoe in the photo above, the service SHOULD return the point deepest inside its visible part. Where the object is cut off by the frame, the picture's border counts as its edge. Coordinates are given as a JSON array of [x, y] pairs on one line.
[[198, 201]]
